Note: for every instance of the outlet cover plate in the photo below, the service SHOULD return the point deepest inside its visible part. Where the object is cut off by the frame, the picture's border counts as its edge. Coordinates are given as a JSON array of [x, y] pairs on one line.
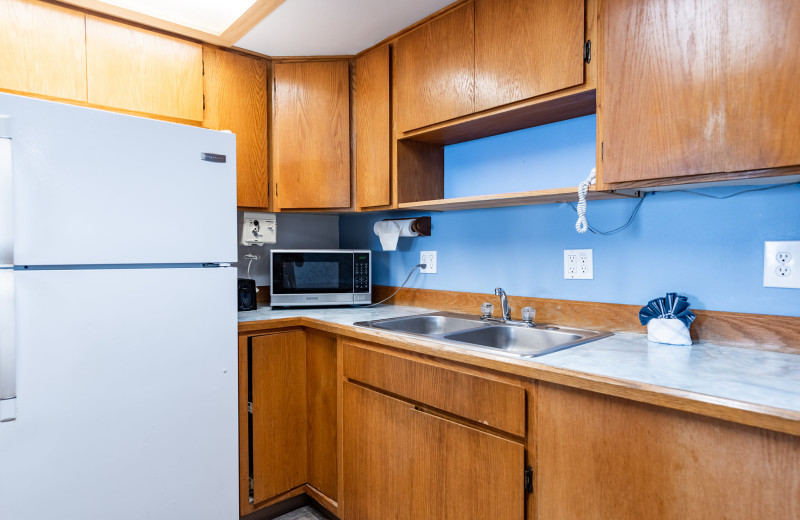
[[428, 258], [782, 264], [578, 264]]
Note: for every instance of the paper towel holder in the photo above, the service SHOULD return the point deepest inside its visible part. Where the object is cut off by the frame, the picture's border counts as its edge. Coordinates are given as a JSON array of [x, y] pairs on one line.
[[420, 225]]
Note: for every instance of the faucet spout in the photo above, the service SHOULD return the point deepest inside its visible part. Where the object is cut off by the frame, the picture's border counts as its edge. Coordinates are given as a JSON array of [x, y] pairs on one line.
[[503, 303]]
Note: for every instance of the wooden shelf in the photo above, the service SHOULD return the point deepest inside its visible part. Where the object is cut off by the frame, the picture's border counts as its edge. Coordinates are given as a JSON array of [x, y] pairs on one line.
[[522, 198]]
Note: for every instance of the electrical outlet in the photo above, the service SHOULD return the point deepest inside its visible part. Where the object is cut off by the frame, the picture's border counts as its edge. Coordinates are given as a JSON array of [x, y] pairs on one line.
[[429, 259], [578, 264], [780, 264]]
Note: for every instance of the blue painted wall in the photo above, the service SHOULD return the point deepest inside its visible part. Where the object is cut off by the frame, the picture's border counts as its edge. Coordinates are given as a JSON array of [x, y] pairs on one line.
[[709, 250]]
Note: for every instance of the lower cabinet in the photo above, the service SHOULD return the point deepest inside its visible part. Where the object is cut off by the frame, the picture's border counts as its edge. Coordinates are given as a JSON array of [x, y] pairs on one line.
[[279, 413], [605, 457], [288, 435], [406, 459]]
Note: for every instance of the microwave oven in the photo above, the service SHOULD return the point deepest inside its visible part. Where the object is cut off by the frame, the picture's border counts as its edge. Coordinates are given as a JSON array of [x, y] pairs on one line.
[[307, 277]]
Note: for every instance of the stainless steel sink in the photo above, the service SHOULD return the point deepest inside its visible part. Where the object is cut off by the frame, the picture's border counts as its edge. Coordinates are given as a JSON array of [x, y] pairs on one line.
[[426, 324], [499, 338]]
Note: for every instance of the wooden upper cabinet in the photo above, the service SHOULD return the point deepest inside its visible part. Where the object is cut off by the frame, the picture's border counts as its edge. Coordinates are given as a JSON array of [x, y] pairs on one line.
[[236, 100], [372, 109], [434, 71], [526, 48], [762, 67], [702, 87], [143, 71], [44, 49], [662, 103], [311, 134]]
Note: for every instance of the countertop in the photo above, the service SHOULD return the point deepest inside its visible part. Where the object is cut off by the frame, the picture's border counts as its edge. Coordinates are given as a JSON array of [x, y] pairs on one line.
[[738, 378]]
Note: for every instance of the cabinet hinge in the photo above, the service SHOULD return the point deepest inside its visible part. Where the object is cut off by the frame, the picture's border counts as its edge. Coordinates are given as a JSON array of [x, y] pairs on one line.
[[602, 150], [204, 101], [276, 190], [587, 51], [528, 479], [250, 408], [203, 66]]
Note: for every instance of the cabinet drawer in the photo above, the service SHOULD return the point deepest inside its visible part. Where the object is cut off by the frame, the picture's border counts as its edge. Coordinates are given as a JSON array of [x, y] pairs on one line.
[[487, 401]]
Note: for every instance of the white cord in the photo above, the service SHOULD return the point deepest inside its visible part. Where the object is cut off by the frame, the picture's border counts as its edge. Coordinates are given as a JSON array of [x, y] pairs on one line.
[[582, 225], [250, 257]]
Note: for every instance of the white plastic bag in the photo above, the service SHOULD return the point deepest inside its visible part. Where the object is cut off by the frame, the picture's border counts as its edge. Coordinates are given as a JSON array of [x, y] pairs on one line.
[[668, 330]]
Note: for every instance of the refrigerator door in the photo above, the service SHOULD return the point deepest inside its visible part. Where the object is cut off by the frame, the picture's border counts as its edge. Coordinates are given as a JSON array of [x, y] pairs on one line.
[[94, 187], [8, 345], [126, 396]]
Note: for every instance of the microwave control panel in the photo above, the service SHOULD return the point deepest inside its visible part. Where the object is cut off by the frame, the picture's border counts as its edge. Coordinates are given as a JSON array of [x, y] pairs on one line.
[[361, 272]]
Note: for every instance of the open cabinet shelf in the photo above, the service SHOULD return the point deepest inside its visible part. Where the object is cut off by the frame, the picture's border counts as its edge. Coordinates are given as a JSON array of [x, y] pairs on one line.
[[521, 198]]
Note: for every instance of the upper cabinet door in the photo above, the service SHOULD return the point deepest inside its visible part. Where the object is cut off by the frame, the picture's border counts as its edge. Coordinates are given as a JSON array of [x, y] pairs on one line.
[[44, 49], [762, 84], [434, 70], [526, 48], [311, 134], [662, 104], [236, 100], [372, 128], [139, 70]]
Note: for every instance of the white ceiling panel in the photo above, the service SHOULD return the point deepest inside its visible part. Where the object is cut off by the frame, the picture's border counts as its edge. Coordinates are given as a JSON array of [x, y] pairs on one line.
[[333, 27]]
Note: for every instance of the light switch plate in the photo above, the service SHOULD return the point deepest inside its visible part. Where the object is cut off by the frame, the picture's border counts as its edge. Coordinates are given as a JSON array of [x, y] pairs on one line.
[[782, 264], [578, 264]]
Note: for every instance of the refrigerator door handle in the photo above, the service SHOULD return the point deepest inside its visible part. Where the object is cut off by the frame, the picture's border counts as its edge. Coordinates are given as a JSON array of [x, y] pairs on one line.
[[8, 347], [6, 195]]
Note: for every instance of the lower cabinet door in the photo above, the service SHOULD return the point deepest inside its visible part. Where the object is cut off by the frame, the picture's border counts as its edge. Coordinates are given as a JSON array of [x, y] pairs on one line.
[[403, 462], [279, 420]]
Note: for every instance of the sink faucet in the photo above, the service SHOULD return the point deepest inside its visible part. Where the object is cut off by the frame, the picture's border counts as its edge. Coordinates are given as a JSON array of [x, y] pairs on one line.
[[503, 303]]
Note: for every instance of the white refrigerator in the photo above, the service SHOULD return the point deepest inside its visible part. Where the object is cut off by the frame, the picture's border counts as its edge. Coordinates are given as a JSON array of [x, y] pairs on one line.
[[118, 362]]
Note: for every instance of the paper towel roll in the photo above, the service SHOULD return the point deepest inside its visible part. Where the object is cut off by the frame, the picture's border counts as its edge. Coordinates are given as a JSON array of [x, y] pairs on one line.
[[390, 230]]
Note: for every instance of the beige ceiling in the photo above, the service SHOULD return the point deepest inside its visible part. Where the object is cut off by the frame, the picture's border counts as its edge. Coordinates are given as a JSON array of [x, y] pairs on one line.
[[333, 27]]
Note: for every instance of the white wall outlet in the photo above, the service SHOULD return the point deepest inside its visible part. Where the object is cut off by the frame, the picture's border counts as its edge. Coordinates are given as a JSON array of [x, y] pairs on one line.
[[429, 259], [578, 264], [259, 229], [781, 264]]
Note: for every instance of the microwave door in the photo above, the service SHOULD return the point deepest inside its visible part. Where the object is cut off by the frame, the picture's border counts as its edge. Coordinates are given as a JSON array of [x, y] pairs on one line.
[[312, 273]]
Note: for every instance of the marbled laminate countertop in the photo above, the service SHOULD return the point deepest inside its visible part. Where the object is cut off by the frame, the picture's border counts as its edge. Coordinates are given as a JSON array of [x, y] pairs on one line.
[[746, 375]]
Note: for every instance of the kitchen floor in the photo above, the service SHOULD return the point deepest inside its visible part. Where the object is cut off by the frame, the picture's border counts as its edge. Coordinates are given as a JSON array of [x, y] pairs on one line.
[[304, 513]]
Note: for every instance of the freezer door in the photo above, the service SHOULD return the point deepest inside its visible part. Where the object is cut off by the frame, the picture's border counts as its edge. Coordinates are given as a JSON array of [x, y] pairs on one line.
[[126, 396], [6, 201], [96, 187]]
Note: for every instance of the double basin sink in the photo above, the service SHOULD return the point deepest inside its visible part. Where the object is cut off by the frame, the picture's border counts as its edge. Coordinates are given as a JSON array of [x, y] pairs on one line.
[[501, 338]]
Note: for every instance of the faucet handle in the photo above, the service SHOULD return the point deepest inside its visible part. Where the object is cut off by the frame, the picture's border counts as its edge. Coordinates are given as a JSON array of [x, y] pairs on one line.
[[486, 310], [528, 313], [498, 291]]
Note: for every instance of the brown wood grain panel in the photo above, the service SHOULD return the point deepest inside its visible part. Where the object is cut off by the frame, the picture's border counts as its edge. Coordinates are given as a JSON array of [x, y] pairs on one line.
[[460, 472], [434, 71], [377, 458], [663, 103], [373, 145], [322, 410], [311, 134], [144, 71], [44, 49], [244, 421], [604, 457], [420, 171], [524, 49], [236, 100], [279, 413], [492, 403], [757, 331], [761, 85]]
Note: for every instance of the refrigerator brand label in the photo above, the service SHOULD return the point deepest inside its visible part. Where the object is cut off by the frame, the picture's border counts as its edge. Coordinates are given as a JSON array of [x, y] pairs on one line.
[[213, 157]]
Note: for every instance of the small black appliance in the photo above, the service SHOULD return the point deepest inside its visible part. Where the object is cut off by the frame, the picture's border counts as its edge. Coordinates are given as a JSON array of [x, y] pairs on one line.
[[247, 294]]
